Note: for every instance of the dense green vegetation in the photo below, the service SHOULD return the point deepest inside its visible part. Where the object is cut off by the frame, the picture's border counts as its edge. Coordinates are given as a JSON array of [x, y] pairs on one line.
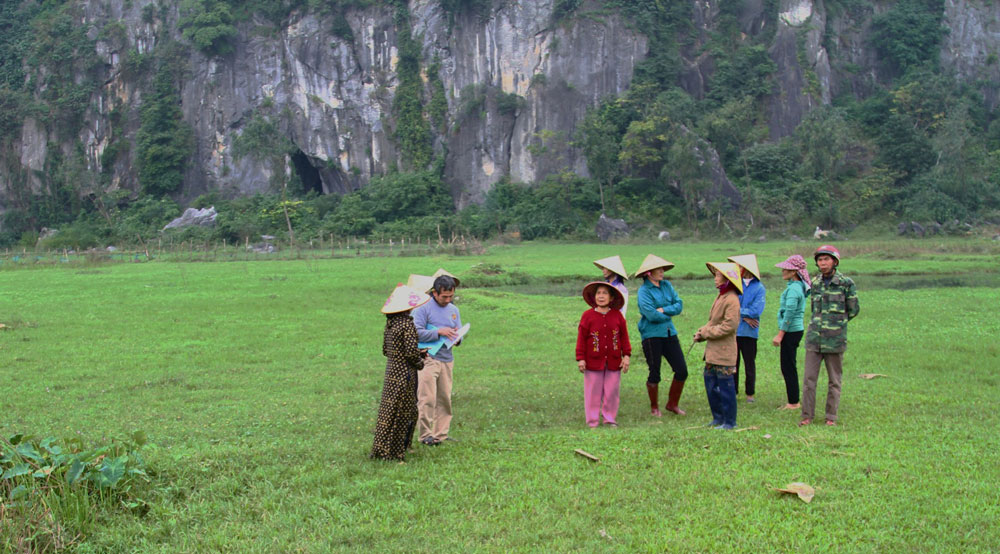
[[918, 146], [257, 383]]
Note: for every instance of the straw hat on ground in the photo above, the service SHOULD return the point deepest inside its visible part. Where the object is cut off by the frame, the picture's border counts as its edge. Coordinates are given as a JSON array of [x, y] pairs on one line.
[[747, 262], [730, 270], [423, 283], [613, 264], [652, 262], [441, 272], [590, 291], [404, 299]]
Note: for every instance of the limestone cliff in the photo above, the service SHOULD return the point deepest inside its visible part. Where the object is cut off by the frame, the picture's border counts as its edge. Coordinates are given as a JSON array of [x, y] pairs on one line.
[[333, 97]]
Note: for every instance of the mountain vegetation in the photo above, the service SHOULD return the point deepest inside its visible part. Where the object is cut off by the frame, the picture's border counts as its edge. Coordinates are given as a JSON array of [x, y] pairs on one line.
[[916, 142]]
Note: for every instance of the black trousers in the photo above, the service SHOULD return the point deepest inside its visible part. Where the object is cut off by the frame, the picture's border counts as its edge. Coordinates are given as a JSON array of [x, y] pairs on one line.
[[789, 350], [746, 348], [667, 347]]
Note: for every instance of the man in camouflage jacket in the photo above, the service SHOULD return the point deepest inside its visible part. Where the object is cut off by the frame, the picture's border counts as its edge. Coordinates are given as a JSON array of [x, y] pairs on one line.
[[834, 303]]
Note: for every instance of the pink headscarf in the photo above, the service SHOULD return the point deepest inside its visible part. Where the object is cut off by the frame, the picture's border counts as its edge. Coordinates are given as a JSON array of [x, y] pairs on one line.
[[797, 264]]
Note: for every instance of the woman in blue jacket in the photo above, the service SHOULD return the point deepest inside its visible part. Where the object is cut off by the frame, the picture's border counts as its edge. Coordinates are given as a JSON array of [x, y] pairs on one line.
[[790, 328], [658, 302], [751, 308]]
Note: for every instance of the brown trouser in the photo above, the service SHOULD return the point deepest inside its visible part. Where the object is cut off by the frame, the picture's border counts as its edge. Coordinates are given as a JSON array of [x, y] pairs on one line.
[[434, 399], [835, 370]]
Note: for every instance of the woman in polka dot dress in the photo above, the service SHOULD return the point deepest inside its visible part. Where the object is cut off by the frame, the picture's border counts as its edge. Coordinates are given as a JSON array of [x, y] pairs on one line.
[[397, 411]]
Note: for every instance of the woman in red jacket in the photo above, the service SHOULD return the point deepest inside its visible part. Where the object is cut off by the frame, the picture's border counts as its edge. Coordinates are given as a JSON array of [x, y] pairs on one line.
[[602, 352]]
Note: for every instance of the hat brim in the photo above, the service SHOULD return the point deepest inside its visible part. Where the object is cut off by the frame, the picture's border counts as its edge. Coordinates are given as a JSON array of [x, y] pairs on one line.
[[652, 262], [423, 283], [729, 270], [403, 299], [441, 271], [590, 293], [747, 262], [614, 265]]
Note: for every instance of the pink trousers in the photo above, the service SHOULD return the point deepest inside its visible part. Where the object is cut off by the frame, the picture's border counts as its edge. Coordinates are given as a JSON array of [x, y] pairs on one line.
[[600, 395]]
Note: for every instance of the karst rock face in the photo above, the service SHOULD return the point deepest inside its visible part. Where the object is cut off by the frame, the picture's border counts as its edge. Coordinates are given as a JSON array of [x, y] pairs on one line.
[[517, 85]]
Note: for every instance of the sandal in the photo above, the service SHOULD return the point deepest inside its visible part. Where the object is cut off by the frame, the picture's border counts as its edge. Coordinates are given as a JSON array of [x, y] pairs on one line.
[[805, 422], [831, 423]]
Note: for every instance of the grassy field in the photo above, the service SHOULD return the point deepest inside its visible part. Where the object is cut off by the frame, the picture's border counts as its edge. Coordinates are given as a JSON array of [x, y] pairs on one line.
[[258, 382]]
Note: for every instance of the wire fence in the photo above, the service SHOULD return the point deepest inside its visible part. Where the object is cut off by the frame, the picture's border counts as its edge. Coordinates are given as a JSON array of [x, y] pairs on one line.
[[223, 251]]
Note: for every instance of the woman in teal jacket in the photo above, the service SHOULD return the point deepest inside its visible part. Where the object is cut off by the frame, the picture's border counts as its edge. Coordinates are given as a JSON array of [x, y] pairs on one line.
[[658, 302], [790, 312]]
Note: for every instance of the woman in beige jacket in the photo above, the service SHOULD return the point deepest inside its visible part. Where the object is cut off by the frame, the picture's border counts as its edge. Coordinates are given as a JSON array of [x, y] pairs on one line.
[[720, 350]]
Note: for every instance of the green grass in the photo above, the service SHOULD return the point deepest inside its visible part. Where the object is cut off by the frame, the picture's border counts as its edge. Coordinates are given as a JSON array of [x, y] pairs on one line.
[[258, 383]]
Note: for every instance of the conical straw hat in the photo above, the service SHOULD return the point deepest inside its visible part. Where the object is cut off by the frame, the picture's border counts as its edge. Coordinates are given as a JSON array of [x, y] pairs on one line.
[[441, 272], [590, 291], [748, 262], [404, 298], [614, 264], [653, 261], [730, 270], [423, 283]]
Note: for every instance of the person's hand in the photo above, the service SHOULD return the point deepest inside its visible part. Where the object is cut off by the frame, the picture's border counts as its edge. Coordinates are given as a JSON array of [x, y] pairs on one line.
[[753, 323], [776, 341], [659, 310], [624, 364], [698, 337], [582, 365], [447, 332]]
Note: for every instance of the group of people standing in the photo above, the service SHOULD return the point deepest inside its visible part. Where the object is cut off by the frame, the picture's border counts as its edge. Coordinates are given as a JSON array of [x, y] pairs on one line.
[[418, 380], [416, 393], [603, 349]]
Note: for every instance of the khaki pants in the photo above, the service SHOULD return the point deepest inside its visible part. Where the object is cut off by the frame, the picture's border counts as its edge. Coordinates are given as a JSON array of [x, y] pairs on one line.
[[434, 399], [835, 370]]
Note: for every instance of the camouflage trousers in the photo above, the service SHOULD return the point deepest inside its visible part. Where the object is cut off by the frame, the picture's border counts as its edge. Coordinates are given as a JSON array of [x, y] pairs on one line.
[[835, 370]]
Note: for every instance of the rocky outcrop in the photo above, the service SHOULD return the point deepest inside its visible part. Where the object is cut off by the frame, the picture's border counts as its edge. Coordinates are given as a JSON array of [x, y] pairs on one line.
[[803, 76], [333, 98], [557, 72], [973, 43], [608, 228], [193, 217]]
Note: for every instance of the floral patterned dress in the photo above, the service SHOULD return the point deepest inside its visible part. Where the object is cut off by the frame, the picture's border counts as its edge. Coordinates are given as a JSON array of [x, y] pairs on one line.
[[397, 411]]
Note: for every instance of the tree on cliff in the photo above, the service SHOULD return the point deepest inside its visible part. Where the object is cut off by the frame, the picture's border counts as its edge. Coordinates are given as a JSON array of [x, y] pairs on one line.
[[165, 141]]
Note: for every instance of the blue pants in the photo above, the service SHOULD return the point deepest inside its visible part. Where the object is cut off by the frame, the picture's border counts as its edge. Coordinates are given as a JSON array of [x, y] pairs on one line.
[[721, 391]]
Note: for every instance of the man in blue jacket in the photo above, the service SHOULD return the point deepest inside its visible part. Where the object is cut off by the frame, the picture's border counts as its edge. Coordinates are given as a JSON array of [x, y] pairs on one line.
[[433, 320], [751, 308]]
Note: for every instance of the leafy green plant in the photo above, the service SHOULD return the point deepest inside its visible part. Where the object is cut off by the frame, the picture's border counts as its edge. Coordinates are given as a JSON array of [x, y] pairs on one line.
[[907, 35], [509, 103], [165, 141], [79, 234], [145, 217], [208, 25], [438, 106], [564, 9], [51, 490], [412, 130]]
